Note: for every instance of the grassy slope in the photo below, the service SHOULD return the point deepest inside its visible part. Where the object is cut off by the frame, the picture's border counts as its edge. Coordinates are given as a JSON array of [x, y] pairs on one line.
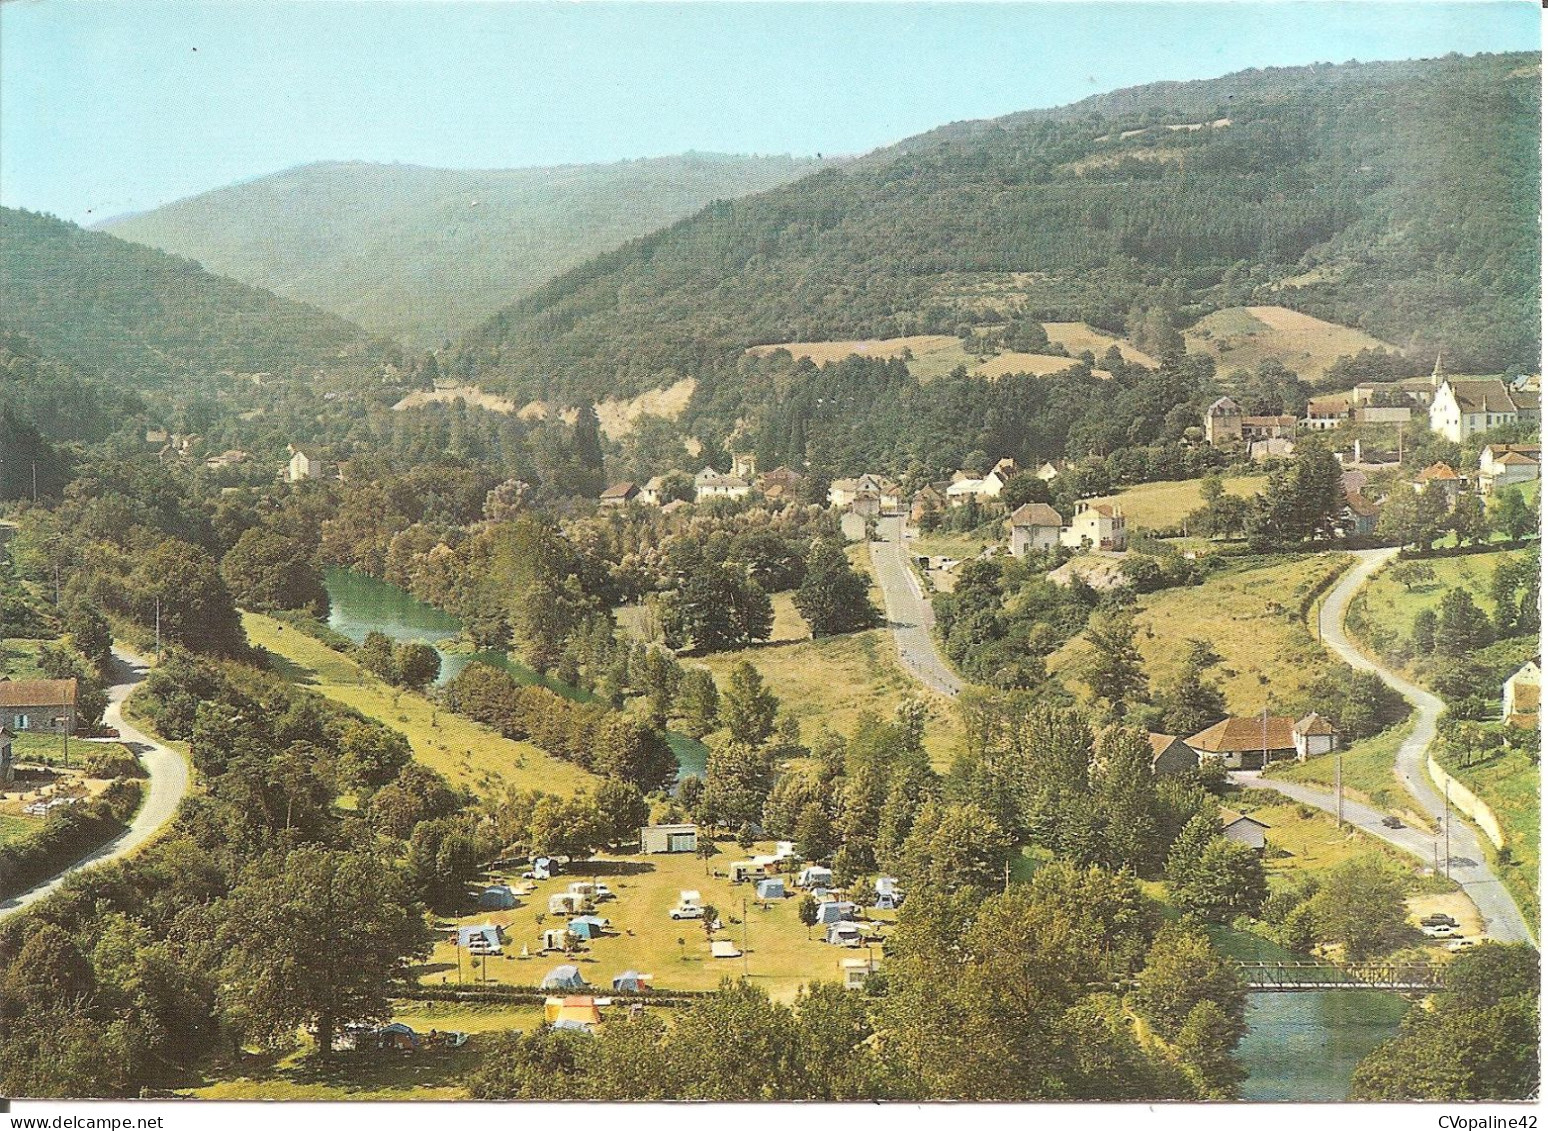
[[1240, 337], [468, 754], [19, 658], [1510, 783], [1247, 612], [1370, 773], [1161, 506]]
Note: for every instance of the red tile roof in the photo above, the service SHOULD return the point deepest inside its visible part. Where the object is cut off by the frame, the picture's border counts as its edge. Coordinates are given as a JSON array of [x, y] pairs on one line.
[[1233, 735], [37, 692]]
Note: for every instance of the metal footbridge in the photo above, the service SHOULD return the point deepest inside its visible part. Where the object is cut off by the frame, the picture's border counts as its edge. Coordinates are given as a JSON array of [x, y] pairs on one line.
[[1297, 977]]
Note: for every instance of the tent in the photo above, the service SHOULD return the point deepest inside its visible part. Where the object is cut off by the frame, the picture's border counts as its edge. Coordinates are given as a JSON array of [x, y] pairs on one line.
[[587, 926], [724, 948], [556, 938], [563, 978], [689, 899], [815, 876], [890, 901], [396, 1036], [631, 982], [544, 867], [771, 888], [571, 1012], [497, 897], [835, 911], [486, 936], [843, 934], [886, 885]]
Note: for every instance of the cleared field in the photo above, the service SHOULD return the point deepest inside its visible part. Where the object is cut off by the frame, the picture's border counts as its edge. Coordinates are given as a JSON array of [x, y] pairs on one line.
[[1240, 337], [1248, 612], [930, 356], [779, 953], [1163, 506], [1078, 337], [424, 1075], [450, 394], [468, 754], [1037, 363]]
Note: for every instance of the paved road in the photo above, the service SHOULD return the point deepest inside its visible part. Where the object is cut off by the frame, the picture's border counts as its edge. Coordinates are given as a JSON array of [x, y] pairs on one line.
[[909, 614], [168, 785], [1469, 866]]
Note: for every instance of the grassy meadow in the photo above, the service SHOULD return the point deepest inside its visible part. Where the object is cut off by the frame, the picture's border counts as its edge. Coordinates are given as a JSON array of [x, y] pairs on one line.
[[1163, 506], [1240, 337], [467, 753], [1510, 782]]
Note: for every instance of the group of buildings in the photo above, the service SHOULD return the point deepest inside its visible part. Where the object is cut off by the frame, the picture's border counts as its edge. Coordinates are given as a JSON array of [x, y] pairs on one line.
[[781, 485]]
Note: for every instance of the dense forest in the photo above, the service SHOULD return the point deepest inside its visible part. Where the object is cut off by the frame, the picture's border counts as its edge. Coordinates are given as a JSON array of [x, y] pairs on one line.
[[1398, 199], [426, 254]]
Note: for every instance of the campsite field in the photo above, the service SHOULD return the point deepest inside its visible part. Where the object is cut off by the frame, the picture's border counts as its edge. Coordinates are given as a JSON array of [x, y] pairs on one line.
[[1247, 610], [1163, 506], [780, 954], [468, 754], [1240, 337]]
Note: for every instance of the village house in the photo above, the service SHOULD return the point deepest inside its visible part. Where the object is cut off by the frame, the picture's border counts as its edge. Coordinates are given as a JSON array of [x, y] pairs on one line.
[[927, 499], [1521, 694], [1225, 423], [711, 484], [1358, 516], [780, 485], [1171, 755], [1398, 415], [869, 495], [46, 705], [1445, 475], [1505, 465], [1241, 829], [650, 494], [1323, 414], [1463, 408], [1314, 736], [1247, 744], [304, 463], [619, 495], [965, 485], [1034, 527], [744, 464], [1052, 470], [1096, 526], [1416, 391]]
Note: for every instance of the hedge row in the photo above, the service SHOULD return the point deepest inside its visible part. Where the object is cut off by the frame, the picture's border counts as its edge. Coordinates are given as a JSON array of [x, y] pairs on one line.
[[69, 833]]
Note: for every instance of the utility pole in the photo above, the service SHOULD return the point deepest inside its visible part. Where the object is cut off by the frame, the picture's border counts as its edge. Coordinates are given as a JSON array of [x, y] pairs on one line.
[[158, 628], [1447, 823], [34, 481], [1338, 786], [744, 939]]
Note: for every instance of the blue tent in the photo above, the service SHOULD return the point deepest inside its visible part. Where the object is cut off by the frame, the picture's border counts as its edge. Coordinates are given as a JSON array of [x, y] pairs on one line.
[[489, 933], [587, 926], [497, 897], [629, 982], [773, 888], [396, 1036], [563, 978], [835, 911]]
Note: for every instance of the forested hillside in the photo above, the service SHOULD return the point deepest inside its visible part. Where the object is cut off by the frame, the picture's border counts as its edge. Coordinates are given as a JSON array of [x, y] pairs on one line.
[[1397, 198], [115, 310], [426, 254]]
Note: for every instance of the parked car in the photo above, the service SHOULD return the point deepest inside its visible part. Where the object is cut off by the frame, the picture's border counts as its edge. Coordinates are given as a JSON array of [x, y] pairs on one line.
[[1392, 822], [1440, 931], [1438, 919], [602, 891], [1460, 944], [687, 912]]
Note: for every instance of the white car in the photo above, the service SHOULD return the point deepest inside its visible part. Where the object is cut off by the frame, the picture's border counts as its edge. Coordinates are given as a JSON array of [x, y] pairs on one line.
[[1460, 944], [1439, 931], [687, 912]]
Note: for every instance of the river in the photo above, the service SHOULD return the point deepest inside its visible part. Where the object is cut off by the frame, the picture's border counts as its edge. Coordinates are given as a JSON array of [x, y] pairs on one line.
[[359, 604], [1300, 1047]]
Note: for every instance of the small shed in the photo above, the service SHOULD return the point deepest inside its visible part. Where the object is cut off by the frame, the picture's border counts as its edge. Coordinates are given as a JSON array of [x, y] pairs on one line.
[[1242, 829], [564, 977], [724, 948], [835, 911], [843, 934], [486, 936], [669, 838], [772, 888], [588, 927], [497, 897], [857, 970], [556, 938], [815, 876]]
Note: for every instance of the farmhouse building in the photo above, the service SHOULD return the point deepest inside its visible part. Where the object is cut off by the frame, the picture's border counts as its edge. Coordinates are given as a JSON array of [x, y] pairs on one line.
[[1247, 744], [619, 495], [1034, 527], [711, 484], [1225, 423], [304, 463], [1314, 736], [1522, 693], [1096, 526], [1464, 408], [1359, 515], [46, 705], [1445, 475], [1325, 413], [780, 485], [669, 838]]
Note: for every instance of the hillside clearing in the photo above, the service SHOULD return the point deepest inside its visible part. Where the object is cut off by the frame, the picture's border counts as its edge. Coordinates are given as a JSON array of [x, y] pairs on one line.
[[468, 754], [1078, 337], [1240, 337], [930, 356]]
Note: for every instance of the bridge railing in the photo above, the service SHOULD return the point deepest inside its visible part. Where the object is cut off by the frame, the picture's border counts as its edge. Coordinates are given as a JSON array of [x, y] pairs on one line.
[[1334, 975]]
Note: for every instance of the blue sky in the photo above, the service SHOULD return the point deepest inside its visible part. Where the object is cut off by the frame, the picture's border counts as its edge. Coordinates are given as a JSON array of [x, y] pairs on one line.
[[119, 106]]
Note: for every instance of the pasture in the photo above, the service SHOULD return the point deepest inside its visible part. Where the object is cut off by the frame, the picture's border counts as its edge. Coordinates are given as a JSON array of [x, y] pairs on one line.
[[1240, 337], [1163, 506]]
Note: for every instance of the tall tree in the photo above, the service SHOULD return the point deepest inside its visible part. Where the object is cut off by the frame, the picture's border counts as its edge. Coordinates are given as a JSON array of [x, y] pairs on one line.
[[834, 598]]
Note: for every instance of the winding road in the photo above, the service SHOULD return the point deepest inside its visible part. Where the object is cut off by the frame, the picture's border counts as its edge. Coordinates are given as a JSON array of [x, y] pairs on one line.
[[1468, 865], [909, 614], [169, 781]]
